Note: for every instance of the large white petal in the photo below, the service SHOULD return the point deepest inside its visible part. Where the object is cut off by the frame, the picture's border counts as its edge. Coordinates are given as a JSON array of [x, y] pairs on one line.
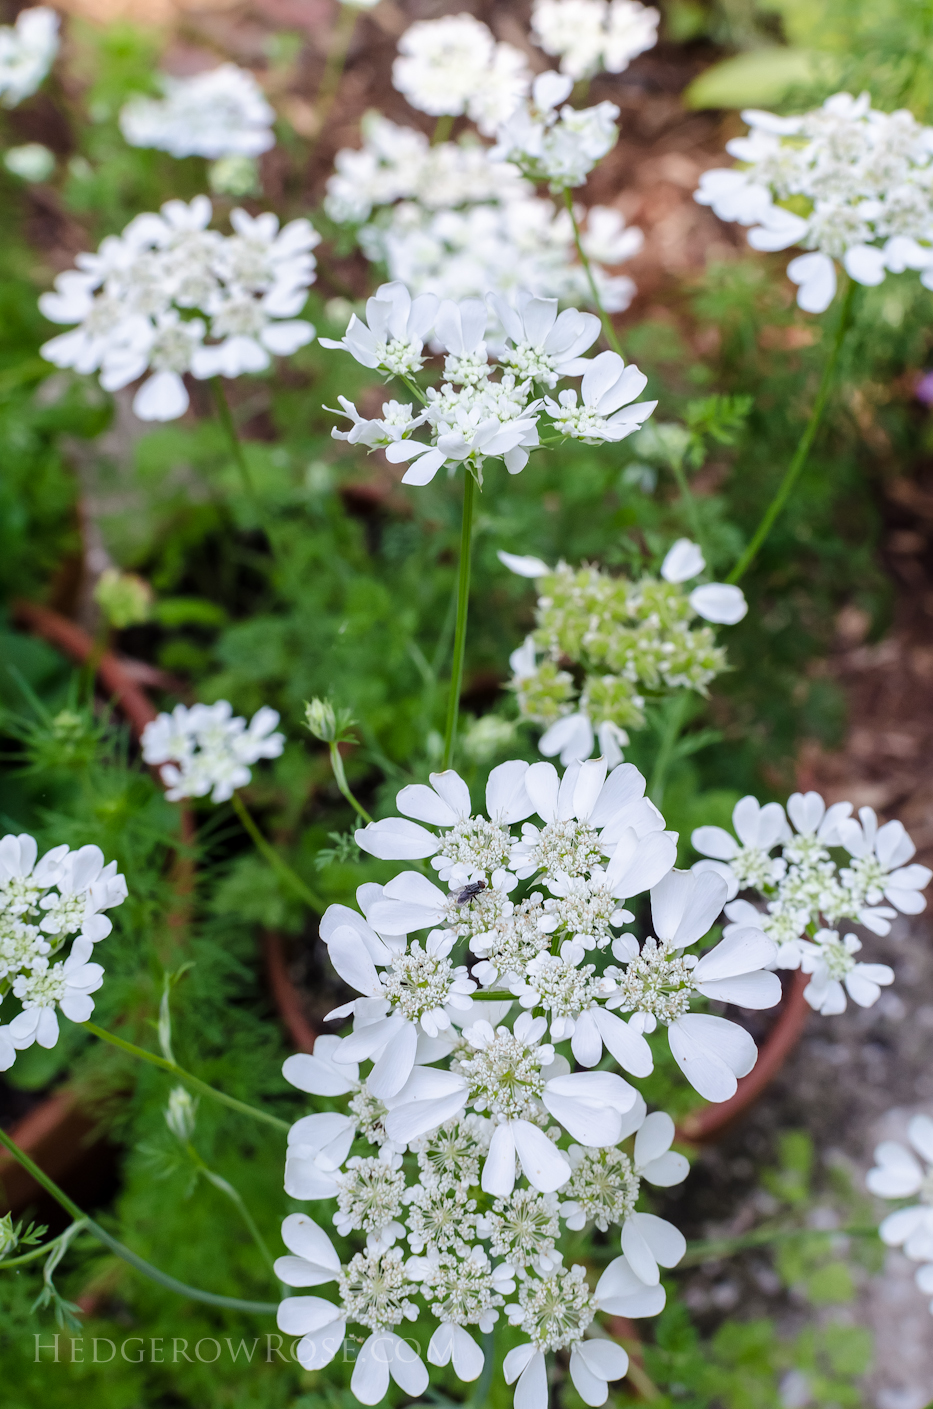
[[620, 1292], [898, 1174], [709, 1056], [666, 1242], [543, 1164], [320, 1078], [516, 1361], [499, 1168], [666, 1170], [507, 799], [393, 1068], [395, 839], [406, 1366], [603, 1359], [744, 950], [899, 1226], [756, 991], [623, 786], [302, 1236], [316, 1351], [654, 1139], [531, 1392], [590, 1122], [349, 956], [303, 1315], [920, 1135], [715, 842], [719, 602], [406, 1123], [454, 791], [629, 1048], [591, 1388], [370, 1379]]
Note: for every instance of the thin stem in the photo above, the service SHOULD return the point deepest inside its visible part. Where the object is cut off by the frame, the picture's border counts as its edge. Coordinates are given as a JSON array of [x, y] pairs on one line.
[[442, 128], [726, 1247], [463, 602], [608, 329], [413, 387], [333, 68], [278, 863], [484, 1383], [194, 1082], [146, 1268], [688, 500], [336, 763], [225, 416], [237, 1200], [803, 448], [676, 709], [70, 1232]]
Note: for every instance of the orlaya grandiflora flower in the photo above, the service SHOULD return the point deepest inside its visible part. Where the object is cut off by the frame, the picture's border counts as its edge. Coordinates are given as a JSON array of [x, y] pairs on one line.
[[374, 1297], [747, 861], [879, 869], [545, 345], [657, 983], [898, 1174], [516, 1079], [556, 1312], [835, 972], [604, 412], [604, 1188], [392, 340], [467, 840]]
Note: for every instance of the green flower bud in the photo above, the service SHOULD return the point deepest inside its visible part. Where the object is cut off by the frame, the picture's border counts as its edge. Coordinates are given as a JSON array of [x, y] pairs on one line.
[[321, 720], [124, 598]]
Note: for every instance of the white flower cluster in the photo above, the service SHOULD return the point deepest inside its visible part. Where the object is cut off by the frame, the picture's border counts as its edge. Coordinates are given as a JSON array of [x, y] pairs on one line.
[[446, 220], [807, 892], [469, 1136], [220, 113], [44, 904], [205, 749], [591, 35], [632, 639], [845, 181], [557, 147], [148, 299], [27, 52], [453, 66], [470, 417], [898, 1174]]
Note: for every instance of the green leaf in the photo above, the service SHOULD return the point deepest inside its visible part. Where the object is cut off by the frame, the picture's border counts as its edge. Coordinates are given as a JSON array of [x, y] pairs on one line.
[[760, 78]]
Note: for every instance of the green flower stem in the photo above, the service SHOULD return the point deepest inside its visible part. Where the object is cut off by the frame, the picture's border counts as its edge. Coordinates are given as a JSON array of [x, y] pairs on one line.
[[442, 128], [727, 1247], [34, 1254], [239, 1204], [608, 329], [689, 502], [676, 709], [333, 68], [463, 601], [225, 416], [194, 1082], [336, 763], [804, 445], [278, 863], [101, 1234]]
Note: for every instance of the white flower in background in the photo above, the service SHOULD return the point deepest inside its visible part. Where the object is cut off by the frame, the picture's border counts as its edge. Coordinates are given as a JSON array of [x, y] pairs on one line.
[[898, 1174], [206, 749], [878, 870], [748, 861], [43, 904], [836, 972], [220, 113], [446, 220], [591, 35], [453, 65], [30, 162], [560, 148], [136, 300], [27, 52], [860, 184]]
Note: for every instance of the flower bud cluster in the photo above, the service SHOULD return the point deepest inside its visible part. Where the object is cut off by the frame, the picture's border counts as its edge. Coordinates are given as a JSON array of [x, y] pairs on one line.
[[45, 904], [607, 644]]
